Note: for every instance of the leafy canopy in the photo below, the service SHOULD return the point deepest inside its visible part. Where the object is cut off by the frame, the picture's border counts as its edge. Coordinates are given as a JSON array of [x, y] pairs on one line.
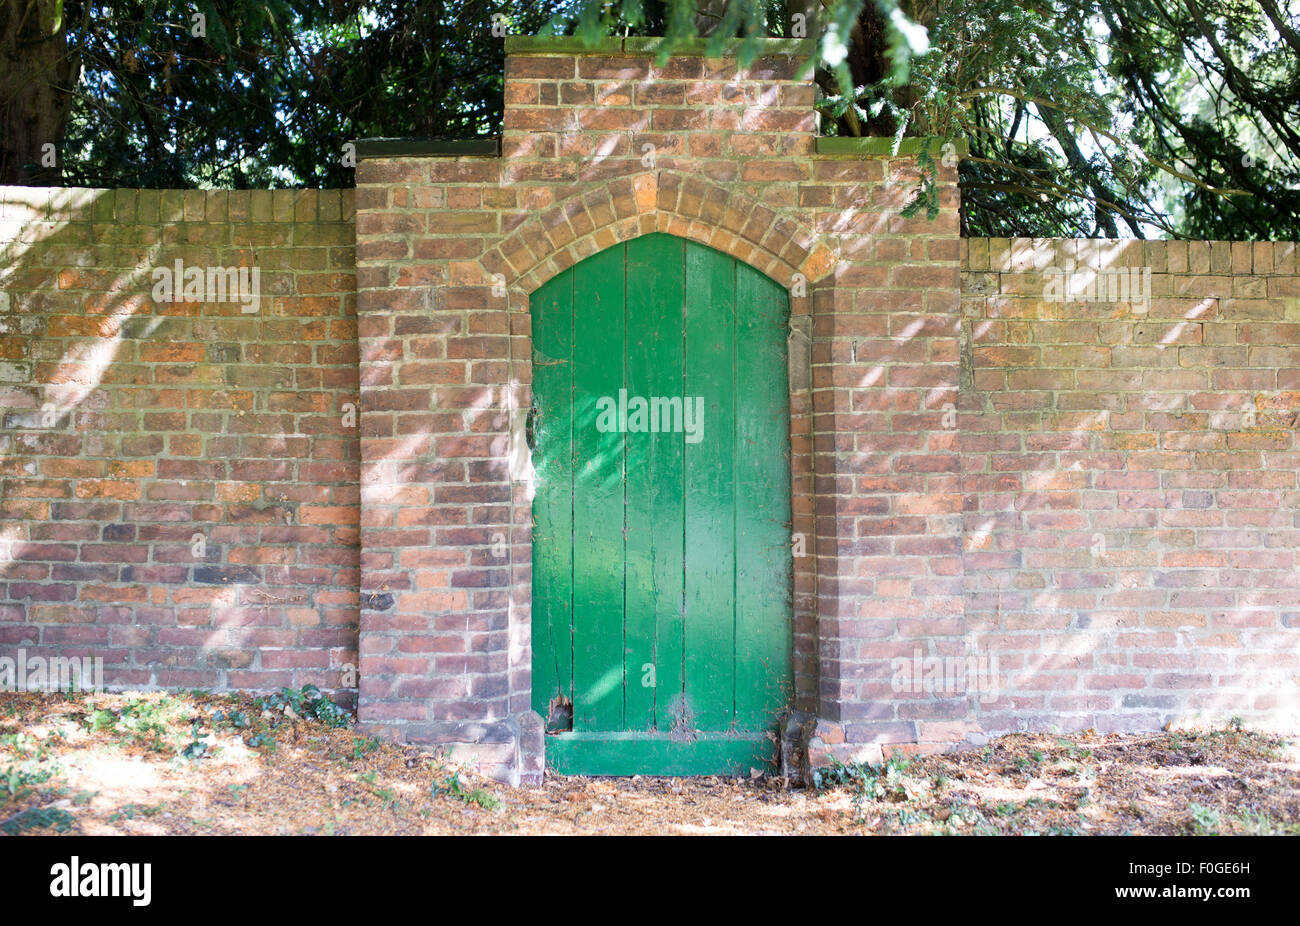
[[1084, 117]]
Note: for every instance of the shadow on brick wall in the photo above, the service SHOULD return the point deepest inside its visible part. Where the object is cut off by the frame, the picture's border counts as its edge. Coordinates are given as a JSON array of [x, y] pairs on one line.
[[179, 454]]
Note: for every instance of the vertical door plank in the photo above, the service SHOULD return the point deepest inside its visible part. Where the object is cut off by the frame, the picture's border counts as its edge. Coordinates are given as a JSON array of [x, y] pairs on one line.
[[710, 490], [653, 644], [764, 577], [598, 505], [552, 620]]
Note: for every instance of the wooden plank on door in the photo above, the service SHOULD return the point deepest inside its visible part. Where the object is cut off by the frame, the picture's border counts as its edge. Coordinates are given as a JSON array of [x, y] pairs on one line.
[[653, 643], [710, 555], [598, 505], [552, 620], [763, 558]]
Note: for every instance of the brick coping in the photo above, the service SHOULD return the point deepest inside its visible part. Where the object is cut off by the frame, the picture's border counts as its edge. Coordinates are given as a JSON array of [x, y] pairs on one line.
[[645, 46], [488, 146]]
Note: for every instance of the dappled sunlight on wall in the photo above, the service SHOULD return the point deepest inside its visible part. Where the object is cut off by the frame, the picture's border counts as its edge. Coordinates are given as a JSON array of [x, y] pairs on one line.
[[1133, 511], [179, 469]]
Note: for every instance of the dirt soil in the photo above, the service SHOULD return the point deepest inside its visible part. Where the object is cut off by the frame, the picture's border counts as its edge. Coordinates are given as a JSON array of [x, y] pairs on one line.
[[104, 764]]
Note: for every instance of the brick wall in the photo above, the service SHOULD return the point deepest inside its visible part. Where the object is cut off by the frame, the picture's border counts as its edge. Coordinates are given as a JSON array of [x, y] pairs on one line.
[[994, 454], [178, 488], [1132, 513]]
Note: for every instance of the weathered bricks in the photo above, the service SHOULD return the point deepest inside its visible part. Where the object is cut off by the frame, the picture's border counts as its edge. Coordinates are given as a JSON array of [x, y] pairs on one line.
[[193, 459], [597, 150], [1130, 481]]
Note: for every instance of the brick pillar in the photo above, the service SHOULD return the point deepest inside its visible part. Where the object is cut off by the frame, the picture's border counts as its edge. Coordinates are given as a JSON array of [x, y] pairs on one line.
[[436, 509], [885, 382]]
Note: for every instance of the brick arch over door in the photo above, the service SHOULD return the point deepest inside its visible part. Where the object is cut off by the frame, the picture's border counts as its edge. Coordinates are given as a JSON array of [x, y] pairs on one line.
[[685, 205], [449, 249]]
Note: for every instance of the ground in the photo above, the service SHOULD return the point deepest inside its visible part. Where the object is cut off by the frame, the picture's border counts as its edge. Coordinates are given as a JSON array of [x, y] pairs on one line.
[[198, 763]]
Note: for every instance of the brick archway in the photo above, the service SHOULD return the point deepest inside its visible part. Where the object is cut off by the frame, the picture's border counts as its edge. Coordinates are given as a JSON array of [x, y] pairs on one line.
[[669, 201], [593, 218]]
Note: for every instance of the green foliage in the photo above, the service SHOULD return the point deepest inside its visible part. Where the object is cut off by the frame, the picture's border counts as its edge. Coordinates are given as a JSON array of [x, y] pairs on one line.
[[1117, 117], [906, 816], [677, 21], [34, 818], [131, 811], [198, 747], [1061, 830], [146, 722], [237, 720], [273, 91], [17, 780], [1205, 820], [99, 721], [1084, 117], [451, 786], [363, 745], [927, 195], [25, 745], [307, 703], [168, 725], [887, 781], [1255, 823]]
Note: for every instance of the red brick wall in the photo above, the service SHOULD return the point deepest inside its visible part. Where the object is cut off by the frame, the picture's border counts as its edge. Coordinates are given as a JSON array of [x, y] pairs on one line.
[[1132, 514], [1100, 494], [885, 375], [133, 428]]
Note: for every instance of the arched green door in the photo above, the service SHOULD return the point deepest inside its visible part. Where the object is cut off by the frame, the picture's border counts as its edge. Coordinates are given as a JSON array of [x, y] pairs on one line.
[[661, 612]]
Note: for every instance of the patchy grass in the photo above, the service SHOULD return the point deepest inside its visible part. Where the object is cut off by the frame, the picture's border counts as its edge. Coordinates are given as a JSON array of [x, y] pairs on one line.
[[1229, 781], [199, 763], [219, 764]]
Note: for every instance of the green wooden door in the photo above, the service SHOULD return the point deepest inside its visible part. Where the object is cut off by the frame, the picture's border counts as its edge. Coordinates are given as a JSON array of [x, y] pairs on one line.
[[661, 617]]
